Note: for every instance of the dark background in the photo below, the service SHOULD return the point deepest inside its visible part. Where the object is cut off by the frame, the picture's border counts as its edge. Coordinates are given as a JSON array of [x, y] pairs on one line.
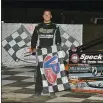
[[31, 10]]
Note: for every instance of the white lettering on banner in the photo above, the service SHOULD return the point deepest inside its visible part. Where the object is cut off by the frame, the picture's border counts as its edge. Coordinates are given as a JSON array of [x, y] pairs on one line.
[[73, 77], [85, 57], [91, 61], [100, 61], [83, 61], [79, 68]]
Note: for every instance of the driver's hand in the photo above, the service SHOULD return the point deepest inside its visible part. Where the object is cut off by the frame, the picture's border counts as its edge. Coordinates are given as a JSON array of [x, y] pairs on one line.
[[32, 50]]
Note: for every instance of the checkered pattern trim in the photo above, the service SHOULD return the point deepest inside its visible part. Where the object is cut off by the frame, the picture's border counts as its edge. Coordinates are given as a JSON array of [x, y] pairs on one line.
[[68, 41], [16, 41], [62, 80]]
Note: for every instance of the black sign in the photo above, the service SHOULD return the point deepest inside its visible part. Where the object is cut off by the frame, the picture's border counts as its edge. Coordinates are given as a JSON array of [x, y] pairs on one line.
[[86, 58]]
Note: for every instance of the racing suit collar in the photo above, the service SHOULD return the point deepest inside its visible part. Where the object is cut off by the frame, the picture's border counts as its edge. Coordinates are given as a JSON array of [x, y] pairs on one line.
[[47, 23]]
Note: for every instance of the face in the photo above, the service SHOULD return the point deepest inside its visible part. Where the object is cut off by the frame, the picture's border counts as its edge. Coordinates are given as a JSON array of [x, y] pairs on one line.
[[47, 16]]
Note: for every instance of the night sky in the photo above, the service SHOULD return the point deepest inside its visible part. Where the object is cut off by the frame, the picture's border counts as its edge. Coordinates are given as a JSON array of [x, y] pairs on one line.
[[15, 8]]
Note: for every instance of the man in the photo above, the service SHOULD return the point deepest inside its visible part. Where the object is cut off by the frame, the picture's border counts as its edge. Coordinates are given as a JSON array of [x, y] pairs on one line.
[[44, 33]]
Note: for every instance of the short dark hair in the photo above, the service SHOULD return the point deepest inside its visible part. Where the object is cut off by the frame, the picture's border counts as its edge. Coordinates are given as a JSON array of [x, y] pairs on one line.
[[47, 10]]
